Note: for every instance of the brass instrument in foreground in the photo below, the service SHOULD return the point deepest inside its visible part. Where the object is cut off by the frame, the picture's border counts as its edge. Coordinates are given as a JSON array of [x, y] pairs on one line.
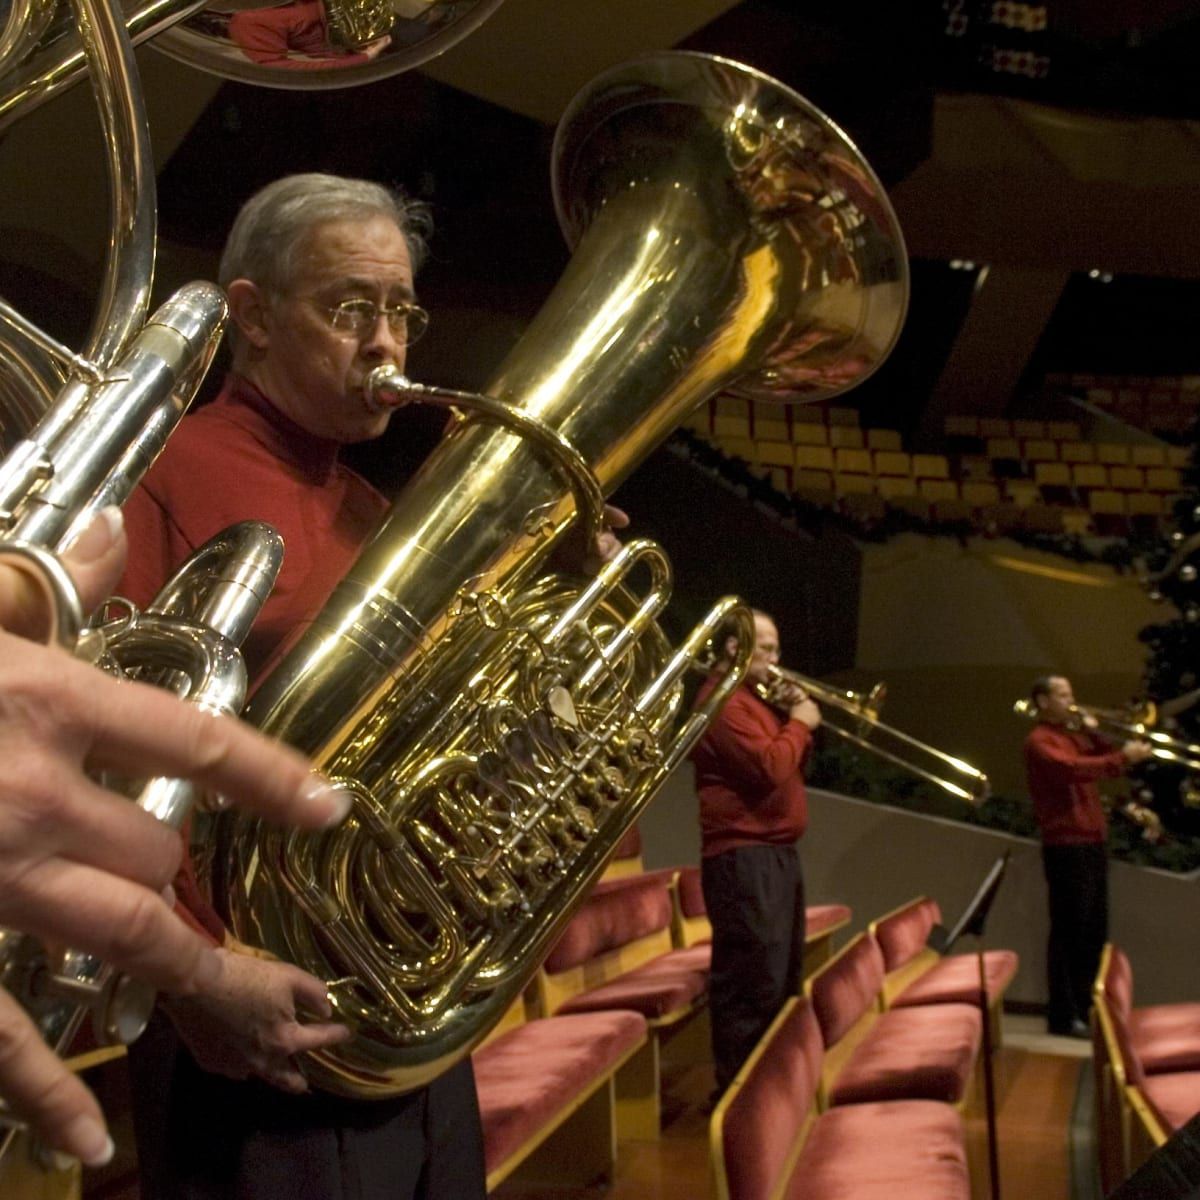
[[865, 729], [1124, 725], [499, 728]]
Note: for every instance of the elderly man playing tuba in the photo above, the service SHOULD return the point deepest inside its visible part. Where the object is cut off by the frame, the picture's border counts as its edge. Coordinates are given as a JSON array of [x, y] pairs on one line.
[[319, 274]]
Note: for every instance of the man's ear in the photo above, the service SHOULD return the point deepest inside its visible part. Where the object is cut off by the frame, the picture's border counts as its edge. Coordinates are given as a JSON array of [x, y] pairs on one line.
[[248, 308]]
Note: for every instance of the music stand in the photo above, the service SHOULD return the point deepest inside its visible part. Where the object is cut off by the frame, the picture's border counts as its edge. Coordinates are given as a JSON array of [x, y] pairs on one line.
[[971, 924]]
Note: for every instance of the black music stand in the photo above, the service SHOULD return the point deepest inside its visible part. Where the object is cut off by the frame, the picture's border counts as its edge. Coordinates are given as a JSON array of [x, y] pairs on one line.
[[971, 924]]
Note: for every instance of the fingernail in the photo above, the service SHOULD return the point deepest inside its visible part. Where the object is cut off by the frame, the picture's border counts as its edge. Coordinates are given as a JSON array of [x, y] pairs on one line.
[[97, 536], [168, 895], [320, 793], [90, 1141]]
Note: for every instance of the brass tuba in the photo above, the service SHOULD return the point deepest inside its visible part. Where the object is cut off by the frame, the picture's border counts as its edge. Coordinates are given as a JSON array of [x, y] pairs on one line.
[[500, 727]]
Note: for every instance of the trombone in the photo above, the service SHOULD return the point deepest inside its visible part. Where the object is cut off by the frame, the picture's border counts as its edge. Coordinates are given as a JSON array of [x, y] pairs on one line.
[[1123, 725], [951, 774]]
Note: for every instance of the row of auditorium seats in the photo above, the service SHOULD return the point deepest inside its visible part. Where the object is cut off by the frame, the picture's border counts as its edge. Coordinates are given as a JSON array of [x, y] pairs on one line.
[[1002, 485], [859, 1086], [576, 1064], [1147, 1065]]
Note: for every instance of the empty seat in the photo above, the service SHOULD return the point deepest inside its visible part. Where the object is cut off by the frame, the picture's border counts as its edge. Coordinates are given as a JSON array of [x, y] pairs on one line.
[[1089, 475], [843, 417], [855, 462], [1039, 450], [1144, 504], [813, 458], [1052, 474], [1104, 501], [892, 462], [979, 495], [1148, 456], [883, 439], [1127, 479], [814, 486], [938, 489], [770, 422], [975, 466], [1163, 479], [774, 454], [808, 433], [849, 484], [1022, 492], [1064, 431], [930, 466], [1178, 456], [893, 486], [995, 427], [1007, 447], [1112, 453], [731, 427], [1029, 429], [849, 436], [1076, 452]]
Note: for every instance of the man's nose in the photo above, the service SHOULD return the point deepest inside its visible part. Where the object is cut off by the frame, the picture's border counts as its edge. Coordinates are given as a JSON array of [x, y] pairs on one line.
[[381, 344]]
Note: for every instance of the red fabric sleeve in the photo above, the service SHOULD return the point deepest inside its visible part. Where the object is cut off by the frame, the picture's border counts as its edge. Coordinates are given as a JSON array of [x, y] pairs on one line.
[[273, 36], [1067, 762], [755, 761], [157, 547]]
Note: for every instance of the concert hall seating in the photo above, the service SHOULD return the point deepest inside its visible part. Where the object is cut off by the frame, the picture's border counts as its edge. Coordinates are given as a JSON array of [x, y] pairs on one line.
[[924, 1052], [994, 474], [917, 974], [1147, 1063], [616, 953], [768, 1142], [690, 925], [547, 1097]]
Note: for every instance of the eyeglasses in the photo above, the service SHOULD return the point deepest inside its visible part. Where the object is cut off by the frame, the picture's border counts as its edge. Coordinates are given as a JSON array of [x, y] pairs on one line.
[[359, 317]]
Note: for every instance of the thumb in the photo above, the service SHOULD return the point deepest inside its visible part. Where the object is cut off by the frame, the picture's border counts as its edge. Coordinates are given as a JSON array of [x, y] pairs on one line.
[[95, 556]]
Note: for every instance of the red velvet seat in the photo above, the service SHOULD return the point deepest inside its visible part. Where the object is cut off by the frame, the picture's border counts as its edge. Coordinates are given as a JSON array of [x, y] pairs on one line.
[[655, 991], [529, 1074], [767, 1141], [892, 1151], [918, 976], [921, 1053], [1164, 1038], [913, 1054], [1175, 1098], [955, 979]]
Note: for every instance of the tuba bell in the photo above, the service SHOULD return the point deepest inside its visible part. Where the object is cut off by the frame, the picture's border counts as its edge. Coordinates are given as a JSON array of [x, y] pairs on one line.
[[499, 726]]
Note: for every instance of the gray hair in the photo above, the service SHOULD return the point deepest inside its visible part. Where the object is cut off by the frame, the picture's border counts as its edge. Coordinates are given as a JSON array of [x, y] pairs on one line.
[[267, 234]]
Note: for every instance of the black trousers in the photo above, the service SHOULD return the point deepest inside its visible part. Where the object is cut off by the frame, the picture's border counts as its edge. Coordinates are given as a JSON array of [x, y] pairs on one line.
[[1077, 879], [204, 1137], [755, 901]]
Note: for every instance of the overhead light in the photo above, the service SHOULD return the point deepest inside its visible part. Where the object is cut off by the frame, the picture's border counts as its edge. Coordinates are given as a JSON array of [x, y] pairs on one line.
[[961, 264], [1100, 276]]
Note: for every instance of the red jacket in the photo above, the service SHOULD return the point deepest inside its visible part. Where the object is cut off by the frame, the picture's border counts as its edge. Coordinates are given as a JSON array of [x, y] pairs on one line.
[[748, 775], [238, 459], [1062, 767]]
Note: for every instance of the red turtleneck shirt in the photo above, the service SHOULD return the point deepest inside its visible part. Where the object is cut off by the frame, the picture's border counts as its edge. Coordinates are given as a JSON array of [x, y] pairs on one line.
[[748, 775], [239, 458]]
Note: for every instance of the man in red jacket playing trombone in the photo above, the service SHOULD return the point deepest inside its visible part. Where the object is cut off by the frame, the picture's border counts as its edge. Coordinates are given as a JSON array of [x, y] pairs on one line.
[[753, 808]]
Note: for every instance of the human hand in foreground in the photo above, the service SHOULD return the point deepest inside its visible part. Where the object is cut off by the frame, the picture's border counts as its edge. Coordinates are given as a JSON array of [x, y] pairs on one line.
[[83, 867]]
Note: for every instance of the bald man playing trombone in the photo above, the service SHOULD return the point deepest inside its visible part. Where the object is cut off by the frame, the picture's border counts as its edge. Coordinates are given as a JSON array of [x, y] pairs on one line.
[[753, 809]]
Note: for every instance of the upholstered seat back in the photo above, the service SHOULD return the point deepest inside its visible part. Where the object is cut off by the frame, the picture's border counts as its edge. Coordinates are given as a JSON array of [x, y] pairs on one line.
[[847, 987], [902, 934], [762, 1126], [611, 919]]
